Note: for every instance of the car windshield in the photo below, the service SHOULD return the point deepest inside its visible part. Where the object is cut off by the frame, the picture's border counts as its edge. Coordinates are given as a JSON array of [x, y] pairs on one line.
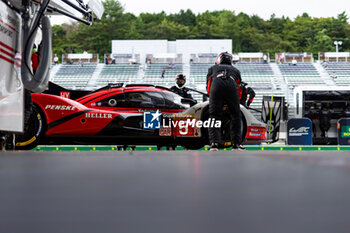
[[139, 96], [157, 99], [173, 100]]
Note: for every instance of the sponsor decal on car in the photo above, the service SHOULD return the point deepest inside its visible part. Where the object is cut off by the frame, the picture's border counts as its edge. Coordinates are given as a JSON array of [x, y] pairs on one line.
[[98, 115], [165, 131], [255, 134], [60, 107], [182, 125], [65, 94], [255, 130]]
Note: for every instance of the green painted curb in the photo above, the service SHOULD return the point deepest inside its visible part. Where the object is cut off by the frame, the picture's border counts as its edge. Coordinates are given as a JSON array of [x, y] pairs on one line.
[[154, 148]]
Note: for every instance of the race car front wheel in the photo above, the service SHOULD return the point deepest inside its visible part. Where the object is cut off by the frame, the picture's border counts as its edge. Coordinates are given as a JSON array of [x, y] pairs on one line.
[[33, 131]]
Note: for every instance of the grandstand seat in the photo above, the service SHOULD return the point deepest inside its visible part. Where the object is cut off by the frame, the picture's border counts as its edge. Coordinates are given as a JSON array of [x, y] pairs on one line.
[[340, 70], [153, 73], [74, 75], [116, 73], [301, 74], [255, 74]]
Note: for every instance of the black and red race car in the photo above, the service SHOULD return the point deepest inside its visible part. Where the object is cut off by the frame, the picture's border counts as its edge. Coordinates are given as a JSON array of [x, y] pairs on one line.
[[116, 115]]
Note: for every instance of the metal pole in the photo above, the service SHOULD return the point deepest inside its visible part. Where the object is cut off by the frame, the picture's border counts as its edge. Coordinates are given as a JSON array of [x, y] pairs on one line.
[[336, 49]]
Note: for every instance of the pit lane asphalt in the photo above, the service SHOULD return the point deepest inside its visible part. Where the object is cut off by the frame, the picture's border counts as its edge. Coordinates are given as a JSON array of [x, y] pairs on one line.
[[170, 191]]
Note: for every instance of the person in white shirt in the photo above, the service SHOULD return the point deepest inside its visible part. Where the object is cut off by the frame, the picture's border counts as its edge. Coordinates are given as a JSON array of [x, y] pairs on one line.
[[265, 58], [55, 59]]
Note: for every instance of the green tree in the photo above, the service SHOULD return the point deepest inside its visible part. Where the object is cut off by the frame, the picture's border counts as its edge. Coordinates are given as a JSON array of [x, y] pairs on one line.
[[186, 18], [206, 27], [320, 43]]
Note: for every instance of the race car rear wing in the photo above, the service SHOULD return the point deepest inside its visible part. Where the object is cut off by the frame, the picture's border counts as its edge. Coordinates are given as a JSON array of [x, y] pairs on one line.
[[55, 89]]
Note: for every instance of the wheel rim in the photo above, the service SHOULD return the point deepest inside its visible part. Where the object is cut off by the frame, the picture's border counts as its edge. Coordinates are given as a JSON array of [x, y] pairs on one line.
[[35, 125]]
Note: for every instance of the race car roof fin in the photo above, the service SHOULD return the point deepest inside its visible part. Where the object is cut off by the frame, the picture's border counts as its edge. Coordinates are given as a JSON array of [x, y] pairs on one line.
[[110, 85], [139, 85]]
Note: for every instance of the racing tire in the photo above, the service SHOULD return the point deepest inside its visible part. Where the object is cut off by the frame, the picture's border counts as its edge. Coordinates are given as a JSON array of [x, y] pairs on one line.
[[194, 146], [34, 131], [243, 128], [224, 135], [204, 131]]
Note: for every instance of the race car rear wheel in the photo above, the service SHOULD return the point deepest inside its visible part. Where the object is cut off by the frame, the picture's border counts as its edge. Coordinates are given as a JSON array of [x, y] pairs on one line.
[[195, 145], [34, 131]]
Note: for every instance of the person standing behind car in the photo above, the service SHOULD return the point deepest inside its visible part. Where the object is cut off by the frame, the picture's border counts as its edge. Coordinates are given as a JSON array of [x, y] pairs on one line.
[[35, 58], [55, 59], [222, 89], [245, 92], [180, 88]]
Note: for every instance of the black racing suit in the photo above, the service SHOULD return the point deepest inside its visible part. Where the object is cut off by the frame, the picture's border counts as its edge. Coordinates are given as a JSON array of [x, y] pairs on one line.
[[222, 89], [311, 115], [183, 92], [245, 92], [325, 121]]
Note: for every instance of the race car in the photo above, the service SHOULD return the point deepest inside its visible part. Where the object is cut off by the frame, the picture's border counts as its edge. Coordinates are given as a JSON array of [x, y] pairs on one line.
[[118, 114]]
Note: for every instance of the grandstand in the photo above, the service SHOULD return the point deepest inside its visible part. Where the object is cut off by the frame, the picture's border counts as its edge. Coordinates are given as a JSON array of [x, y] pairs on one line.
[[198, 73], [76, 75], [277, 79], [301, 74], [258, 75], [153, 73], [339, 71], [116, 73], [264, 78]]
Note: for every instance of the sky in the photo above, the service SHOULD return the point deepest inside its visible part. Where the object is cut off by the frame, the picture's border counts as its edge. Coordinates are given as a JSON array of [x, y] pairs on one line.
[[262, 8]]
